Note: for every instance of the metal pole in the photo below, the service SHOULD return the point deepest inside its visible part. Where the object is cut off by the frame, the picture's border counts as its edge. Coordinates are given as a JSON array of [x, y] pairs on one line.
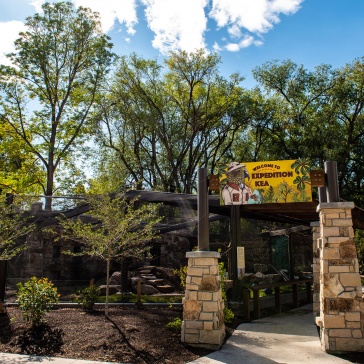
[[332, 190], [203, 211], [322, 194], [291, 267]]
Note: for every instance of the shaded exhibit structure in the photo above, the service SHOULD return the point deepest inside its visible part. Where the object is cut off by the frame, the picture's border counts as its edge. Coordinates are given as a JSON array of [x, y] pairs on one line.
[[338, 299]]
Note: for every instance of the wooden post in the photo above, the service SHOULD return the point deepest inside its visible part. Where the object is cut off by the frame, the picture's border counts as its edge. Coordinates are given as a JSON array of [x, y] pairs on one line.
[[295, 294], [277, 299], [308, 292], [203, 211], [256, 304], [3, 273], [246, 305], [235, 232], [139, 295]]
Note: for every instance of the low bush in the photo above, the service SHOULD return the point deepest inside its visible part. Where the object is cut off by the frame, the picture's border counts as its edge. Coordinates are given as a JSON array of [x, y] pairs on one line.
[[35, 298], [88, 296]]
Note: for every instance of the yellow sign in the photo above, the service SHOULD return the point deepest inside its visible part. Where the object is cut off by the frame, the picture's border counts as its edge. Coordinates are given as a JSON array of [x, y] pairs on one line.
[[265, 182]]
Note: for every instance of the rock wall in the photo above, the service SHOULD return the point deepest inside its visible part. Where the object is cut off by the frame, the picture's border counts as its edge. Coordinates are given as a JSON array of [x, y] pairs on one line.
[[203, 307], [341, 303]]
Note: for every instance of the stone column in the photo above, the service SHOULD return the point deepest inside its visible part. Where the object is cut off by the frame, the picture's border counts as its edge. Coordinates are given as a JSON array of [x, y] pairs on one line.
[[316, 268], [203, 307], [341, 306]]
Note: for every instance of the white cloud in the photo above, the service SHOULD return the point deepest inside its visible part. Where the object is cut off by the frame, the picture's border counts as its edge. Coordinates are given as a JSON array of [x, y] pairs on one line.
[[232, 47], [37, 5], [177, 24], [216, 47], [11, 29], [256, 17], [110, 10]]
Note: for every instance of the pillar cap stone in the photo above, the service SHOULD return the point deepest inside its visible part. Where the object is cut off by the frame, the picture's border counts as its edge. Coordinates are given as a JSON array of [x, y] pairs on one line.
[[335, 205], [203, 254]]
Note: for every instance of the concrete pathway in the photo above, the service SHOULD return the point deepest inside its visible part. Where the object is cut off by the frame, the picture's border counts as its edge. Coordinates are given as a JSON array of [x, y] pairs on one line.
[[290, 337]]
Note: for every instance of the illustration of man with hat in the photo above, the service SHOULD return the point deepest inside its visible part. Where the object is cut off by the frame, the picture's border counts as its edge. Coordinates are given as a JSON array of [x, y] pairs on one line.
[[236, 192]]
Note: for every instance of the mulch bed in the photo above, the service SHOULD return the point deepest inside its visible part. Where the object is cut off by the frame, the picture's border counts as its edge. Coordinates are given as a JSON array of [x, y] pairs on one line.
[[128, 335]]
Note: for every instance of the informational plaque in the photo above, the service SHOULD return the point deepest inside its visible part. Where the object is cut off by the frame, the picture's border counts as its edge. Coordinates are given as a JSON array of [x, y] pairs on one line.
[[241, 261]]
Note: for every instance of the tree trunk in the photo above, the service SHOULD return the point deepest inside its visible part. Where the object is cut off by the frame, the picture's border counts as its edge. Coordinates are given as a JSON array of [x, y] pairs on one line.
[[107, 287], [49, 188]]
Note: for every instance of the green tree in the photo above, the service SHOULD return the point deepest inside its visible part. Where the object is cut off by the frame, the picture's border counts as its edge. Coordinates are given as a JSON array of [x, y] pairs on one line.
[[19, 170], [318, 117], [301, 100], [255, 113], [14, 226], [118, 229], [58, 67], [164, 123], [346, 114]]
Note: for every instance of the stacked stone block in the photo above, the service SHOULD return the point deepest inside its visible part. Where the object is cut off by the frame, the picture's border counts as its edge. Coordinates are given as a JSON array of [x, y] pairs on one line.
[[203, 307], [341, 305]]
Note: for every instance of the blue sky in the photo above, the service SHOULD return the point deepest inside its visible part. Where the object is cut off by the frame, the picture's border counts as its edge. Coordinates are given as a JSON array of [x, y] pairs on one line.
[[245, 33]]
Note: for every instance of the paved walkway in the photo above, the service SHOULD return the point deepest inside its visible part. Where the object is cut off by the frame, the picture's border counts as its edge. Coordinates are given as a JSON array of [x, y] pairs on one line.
[[289, 338]]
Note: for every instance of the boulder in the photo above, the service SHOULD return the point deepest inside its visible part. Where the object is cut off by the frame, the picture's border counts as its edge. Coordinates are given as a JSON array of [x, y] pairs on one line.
[[134, 280], [113, 289], [115, 278], [148, 289]]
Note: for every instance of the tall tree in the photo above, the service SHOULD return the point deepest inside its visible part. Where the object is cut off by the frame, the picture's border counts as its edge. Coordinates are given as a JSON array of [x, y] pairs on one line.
[[58, 67], [164, 123], [301, 100], [347, 122], [319, 115]]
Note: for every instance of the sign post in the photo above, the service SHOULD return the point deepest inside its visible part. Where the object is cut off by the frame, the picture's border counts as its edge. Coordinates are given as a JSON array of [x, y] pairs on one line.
[[235, 232]]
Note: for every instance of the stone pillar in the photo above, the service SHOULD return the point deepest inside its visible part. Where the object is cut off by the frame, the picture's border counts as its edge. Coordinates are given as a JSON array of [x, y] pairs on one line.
[[341, 306], [316, 268], [203, 307]]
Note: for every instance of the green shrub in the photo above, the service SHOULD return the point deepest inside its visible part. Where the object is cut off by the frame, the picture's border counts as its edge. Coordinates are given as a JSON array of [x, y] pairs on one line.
[[182, 273], [88, 296], [228, 315], [35, 298], [176, 324]]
